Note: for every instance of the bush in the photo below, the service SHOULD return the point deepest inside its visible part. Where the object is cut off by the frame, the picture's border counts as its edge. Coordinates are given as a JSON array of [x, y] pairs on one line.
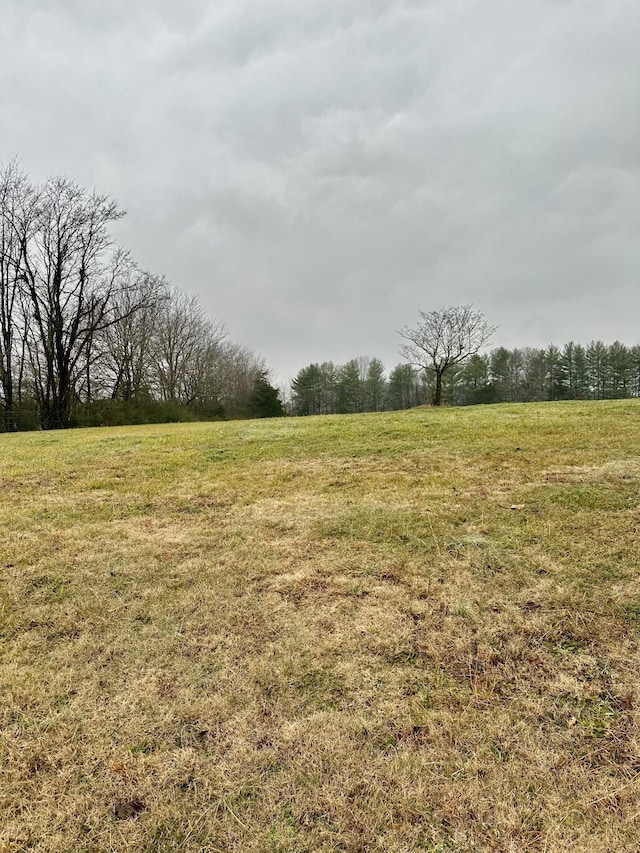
[[24, 416], [127, 413]]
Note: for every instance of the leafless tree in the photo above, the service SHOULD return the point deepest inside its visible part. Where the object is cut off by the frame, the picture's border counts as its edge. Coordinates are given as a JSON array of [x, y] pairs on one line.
[[70, 276], [127, 344], [80, 322], [233, 371], [17, 200], [184, 339], [444, 339]]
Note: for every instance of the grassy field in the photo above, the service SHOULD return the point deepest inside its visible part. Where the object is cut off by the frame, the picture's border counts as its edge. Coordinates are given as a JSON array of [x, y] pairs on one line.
[[395, 632]]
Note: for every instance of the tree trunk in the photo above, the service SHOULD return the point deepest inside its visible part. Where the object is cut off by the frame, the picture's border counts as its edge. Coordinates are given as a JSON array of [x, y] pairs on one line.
[[437, 394]]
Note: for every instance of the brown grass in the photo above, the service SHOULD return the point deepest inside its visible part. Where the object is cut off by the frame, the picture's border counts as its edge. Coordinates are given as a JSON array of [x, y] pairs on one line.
[[324, 634]]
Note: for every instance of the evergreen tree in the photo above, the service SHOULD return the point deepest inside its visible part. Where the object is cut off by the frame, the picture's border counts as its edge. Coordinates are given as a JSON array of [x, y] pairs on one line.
[[568, 359], [634, 370], [264, 400], [597, 357], [581, 373], [375, 386], [403, 390], [328, 388], [499, 374], [473, 385], [314, 390], [350, 388], [306, 390], [556, 375], [620, 370]]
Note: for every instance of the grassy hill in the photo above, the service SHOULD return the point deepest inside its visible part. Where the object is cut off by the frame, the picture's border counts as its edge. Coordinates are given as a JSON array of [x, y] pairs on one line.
[[388, 632]]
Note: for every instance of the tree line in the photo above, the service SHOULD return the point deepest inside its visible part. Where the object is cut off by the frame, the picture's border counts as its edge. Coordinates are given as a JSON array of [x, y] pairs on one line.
[[88, 337], [360, 385], [595, 371]]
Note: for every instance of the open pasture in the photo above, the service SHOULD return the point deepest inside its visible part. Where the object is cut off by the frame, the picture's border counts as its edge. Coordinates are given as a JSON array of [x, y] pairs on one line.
[[389, 632]]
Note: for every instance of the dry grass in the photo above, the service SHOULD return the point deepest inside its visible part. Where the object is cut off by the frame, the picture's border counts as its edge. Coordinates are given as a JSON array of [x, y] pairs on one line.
[[324, 634]]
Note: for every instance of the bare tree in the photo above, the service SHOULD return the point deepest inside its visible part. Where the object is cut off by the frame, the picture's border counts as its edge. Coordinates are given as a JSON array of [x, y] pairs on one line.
[[233, 372], [70, 276], [17, 200], [444, 339], [80, 322], [128, 343], [184, 342]]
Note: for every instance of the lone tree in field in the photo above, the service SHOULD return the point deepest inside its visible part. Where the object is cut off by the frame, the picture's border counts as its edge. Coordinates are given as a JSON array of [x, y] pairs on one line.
[[444, 339]]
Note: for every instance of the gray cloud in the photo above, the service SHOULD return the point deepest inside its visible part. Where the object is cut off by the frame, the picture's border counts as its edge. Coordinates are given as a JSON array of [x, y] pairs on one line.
[[318, 172]]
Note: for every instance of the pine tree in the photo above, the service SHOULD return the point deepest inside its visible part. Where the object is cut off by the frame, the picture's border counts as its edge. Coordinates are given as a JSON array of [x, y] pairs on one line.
[[264, 400]]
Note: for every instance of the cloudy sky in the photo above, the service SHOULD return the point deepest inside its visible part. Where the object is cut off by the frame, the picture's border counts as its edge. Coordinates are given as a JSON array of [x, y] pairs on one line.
[[320, 170]]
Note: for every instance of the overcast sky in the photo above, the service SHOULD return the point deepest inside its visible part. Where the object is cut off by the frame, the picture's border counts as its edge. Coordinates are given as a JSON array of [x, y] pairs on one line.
[[320, 170]]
